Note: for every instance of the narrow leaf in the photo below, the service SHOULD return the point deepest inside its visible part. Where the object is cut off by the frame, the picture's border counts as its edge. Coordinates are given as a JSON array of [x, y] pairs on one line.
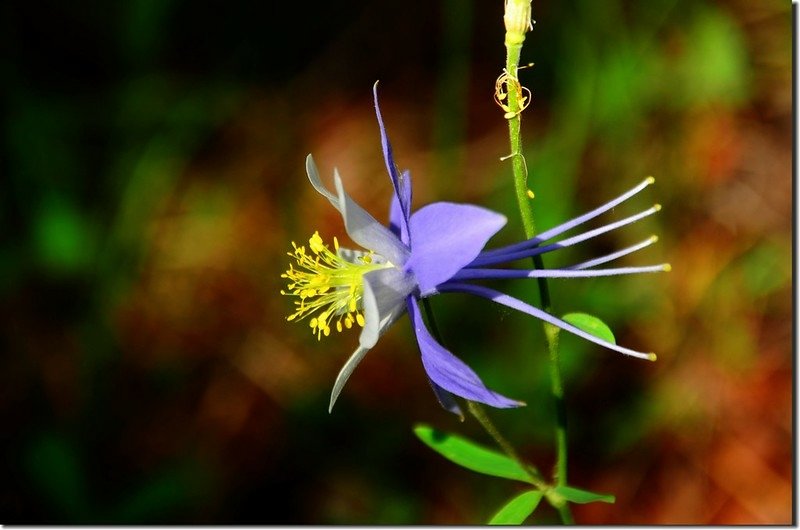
[[470, 455], [518, 509], [591, 324], [580, 496]]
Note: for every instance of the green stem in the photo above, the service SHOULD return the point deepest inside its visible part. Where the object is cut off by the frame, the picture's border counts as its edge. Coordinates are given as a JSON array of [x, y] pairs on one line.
[[565, 514], [480, 414], [557, 388], [515, 139], [516, 26]]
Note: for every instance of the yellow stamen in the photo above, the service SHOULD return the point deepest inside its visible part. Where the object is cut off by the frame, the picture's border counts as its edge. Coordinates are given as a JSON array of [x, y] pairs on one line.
[[327, 286]]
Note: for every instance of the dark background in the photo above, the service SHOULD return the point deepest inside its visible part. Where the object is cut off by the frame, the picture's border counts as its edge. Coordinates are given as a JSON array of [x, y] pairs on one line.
[[153, 181]]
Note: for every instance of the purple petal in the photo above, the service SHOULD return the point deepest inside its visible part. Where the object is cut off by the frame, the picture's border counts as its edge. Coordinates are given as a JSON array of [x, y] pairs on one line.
[[496, 274], [519, 305], [447, 237], [569, 225], [446, 400], [614, 255], [384, 300], [447, 371], [397, 219], [402, 185], [572, 223], [492, 257]]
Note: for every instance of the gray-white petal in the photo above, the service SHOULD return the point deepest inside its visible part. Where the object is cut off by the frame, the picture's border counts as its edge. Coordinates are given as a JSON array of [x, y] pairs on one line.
[[316, 181], [385, 291], [366, 231], [354, 256], [384, 300], [361, 351], [344, 374]]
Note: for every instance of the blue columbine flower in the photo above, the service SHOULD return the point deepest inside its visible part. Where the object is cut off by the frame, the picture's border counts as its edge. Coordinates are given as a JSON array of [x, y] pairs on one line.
[[437, 249]]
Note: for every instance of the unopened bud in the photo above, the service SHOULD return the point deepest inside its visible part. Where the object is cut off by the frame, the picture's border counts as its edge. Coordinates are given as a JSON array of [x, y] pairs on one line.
[[517, 18]]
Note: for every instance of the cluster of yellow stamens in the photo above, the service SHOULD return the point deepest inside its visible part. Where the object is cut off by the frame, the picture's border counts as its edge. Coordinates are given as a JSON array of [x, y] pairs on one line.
[[328, 286]]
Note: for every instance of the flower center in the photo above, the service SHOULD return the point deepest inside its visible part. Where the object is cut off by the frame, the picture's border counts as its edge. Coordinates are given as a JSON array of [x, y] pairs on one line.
[[328, 286]]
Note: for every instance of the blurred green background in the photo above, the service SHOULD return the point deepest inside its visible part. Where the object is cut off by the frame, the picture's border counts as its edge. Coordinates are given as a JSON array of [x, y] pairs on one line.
[[153, 180]]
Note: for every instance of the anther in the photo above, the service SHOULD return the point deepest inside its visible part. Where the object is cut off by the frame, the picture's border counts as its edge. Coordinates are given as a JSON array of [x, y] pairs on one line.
[[327, 287]]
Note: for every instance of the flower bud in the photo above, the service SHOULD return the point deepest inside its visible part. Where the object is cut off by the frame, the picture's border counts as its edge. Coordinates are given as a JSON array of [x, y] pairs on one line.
[[517, 18]]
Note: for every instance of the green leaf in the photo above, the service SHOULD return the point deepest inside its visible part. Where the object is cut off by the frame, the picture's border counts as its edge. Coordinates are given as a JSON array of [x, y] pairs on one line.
[[590, 324], [580, 496], [518, 509], [470, 455]]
